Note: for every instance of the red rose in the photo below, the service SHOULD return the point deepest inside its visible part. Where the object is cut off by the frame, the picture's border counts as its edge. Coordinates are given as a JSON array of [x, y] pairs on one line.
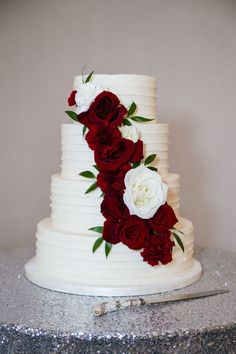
[[154, 239], [106, 109], [83, 118], [133, 232], [164, 219], [137, 155], [113, 206], [158, 248], [110, 233], [71, 98], [116, 156], [103, 138], [113, 179]]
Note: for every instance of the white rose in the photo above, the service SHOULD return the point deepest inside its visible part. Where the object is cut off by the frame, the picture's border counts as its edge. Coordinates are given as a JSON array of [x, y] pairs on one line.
[[145, 192], [130, 132], [85, 95]]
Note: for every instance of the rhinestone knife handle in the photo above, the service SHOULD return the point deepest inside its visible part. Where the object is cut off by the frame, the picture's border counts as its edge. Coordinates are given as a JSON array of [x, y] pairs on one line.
[[103, 307]]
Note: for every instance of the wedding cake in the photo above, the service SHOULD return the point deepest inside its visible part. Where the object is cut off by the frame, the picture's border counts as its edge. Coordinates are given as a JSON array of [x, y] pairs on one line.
[[115, 227]]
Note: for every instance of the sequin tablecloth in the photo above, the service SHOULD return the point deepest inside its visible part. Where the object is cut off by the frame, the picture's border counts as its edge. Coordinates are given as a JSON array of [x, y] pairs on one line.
[[38, 321]]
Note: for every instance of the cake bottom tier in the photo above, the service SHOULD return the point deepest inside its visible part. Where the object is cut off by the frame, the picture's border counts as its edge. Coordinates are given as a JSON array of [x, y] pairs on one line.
[[64, 262]]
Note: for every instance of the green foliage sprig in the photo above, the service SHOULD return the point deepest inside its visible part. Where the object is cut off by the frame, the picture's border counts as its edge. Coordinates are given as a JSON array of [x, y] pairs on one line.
[[89, 175], [99, 241], [72, 115], [131, 116], [150, 159], [177, 235], [88, 78]]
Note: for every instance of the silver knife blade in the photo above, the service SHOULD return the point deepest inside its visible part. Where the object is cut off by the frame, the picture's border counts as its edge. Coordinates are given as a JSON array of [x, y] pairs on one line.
[[178, 297], [104, 307]]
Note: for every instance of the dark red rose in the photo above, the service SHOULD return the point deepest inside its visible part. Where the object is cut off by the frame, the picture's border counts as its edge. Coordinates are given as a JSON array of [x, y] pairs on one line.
[[116, 157], [113, 206], [113, 179], [133, 232], [154, 239], [163, 219], [106, 109], [71, 98], [137, 155], [110, 233], [103, 138], [158, 248], [83, 118]]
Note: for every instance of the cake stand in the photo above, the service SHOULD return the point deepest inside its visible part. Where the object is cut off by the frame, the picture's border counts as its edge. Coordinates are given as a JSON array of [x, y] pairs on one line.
[[34, 320]]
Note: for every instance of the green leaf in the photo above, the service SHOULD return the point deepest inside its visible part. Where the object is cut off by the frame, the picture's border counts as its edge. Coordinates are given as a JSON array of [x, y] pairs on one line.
[[132, 109], [84, 129], [83, 73], [89, 77], [179, 241], [108, 247], [87, 174], [149, 159], [102, 195], [72, 115], [95, 166], [92, 188], [127, 122], [141, 119], [136, 164], [153, 168], [97, 244], [173, 228], [98, 229]]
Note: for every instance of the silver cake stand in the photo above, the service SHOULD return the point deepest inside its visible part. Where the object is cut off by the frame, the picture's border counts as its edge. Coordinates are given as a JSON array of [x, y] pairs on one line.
[[34, 320]]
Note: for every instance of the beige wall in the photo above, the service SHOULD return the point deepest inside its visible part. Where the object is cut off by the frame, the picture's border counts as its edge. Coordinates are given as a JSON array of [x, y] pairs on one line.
[[190, 46]]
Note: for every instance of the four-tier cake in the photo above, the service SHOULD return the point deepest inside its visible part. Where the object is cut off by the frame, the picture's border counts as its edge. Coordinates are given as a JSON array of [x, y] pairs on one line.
[[115, 228]]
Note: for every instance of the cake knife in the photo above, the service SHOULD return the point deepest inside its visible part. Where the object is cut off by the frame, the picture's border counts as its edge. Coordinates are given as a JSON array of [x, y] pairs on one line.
[[104, 307]]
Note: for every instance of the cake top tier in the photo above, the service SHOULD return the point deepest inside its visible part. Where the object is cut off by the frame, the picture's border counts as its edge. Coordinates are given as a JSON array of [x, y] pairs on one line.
[[141, 89], [120, 80]]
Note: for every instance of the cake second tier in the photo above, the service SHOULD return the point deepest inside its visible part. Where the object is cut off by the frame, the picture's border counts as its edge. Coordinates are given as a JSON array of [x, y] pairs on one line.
[[77, 156]]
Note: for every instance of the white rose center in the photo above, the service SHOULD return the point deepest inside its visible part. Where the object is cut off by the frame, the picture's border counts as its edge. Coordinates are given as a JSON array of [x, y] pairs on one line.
[[141, 194], [145, 192]]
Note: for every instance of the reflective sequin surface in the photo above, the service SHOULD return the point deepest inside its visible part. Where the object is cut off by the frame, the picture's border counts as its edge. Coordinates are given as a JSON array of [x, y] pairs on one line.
[[39, 321]]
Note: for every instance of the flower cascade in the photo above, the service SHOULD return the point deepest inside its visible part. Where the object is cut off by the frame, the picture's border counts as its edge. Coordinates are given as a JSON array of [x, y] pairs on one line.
[[134, 196]]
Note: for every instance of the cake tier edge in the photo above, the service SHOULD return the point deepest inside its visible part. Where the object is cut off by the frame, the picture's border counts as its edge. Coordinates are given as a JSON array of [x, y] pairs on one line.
[[34, 275], [75, 269]]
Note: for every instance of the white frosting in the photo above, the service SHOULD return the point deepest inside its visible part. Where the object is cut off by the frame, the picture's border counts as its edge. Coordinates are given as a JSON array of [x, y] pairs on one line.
[[187, 276], [64, 260], [138, 88], [77, 156], [74, 211], [68, 256]]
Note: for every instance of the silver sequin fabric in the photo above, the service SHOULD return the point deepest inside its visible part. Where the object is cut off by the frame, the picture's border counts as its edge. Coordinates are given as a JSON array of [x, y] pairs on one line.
[[34, 320]]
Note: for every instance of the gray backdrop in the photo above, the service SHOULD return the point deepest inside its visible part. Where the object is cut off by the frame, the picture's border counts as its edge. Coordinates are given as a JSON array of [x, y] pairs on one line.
[[188, 45]]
